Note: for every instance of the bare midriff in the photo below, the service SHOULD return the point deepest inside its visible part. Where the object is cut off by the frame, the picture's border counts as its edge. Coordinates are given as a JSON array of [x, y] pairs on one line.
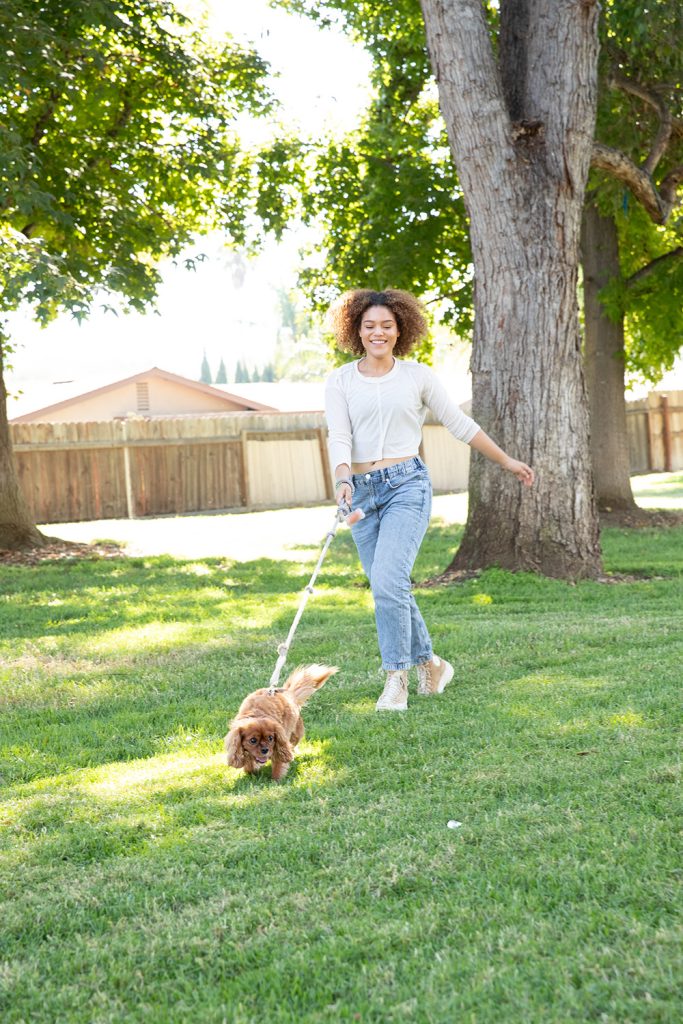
[[368, 467]]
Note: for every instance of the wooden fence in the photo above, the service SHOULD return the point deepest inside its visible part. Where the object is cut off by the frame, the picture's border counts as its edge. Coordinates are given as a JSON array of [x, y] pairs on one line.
[[655, 432], [174, 465]]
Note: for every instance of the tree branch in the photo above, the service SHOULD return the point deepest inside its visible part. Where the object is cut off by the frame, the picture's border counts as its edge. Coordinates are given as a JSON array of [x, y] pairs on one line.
[[623, 168], [650, 267], [668, 125]]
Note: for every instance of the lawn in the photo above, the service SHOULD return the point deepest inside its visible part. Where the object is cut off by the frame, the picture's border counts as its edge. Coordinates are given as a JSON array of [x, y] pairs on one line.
[[144, 880]]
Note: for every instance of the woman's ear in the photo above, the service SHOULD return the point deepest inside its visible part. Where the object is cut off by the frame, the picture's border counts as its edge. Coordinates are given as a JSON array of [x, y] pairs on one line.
[[282, 748], [233, 748]]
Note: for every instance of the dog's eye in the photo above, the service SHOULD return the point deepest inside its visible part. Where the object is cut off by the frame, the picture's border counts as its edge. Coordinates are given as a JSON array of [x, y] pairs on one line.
[[270, 739], [253, 739]]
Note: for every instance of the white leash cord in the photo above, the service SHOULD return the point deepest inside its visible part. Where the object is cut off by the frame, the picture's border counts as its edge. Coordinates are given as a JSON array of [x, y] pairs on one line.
[[340, 517]]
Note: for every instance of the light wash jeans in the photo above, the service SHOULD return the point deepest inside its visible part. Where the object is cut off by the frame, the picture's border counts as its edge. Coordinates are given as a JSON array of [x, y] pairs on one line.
[[397, 502]]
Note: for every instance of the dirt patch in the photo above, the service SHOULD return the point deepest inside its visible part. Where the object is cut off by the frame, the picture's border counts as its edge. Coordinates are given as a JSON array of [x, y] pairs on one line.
[[641, 518], [451, 576], [60, 551]]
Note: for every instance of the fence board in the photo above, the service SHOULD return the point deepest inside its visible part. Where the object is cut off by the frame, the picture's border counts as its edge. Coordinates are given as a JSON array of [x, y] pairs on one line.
[[655, 432], [180, 464]]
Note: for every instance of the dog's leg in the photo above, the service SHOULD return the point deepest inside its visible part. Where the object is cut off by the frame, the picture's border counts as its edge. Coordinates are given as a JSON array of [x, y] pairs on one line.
[[297, 733], [279, 770]]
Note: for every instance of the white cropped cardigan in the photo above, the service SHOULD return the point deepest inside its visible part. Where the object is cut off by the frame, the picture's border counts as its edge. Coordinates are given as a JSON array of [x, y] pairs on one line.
[[373, 418]]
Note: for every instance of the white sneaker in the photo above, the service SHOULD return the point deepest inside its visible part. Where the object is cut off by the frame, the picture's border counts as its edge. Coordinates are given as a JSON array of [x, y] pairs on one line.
[[433, 676], [395, 694]]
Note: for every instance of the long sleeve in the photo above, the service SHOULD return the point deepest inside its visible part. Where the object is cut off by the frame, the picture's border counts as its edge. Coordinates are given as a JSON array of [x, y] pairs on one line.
[[438, 401], [339, 440]]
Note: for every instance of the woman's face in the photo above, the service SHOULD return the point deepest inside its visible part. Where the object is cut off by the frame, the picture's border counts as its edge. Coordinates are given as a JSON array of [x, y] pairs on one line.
[[378, 332]]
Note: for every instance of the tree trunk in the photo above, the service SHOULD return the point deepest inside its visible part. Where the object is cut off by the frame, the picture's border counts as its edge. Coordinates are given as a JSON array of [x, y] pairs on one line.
[[603, 362], [17, 529], [521, 137]]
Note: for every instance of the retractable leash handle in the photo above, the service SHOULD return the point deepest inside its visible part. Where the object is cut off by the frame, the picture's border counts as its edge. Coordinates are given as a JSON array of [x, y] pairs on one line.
[[344, 514]]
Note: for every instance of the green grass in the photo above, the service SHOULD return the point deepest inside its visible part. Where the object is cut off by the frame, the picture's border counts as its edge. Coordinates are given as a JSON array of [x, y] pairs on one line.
[[143, 880]]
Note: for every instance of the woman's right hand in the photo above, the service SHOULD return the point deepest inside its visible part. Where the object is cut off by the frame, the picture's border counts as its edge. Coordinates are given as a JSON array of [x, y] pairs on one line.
[[344, 495]]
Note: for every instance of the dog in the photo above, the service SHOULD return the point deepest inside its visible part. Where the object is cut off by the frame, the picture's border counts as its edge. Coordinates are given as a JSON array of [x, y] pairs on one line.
[[268, 726]]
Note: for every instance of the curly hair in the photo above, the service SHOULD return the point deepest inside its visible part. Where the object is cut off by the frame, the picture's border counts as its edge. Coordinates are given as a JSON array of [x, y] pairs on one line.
[[345, 316]]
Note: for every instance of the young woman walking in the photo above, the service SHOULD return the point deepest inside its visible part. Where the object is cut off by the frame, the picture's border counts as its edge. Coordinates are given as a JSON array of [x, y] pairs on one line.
[[375, 409]]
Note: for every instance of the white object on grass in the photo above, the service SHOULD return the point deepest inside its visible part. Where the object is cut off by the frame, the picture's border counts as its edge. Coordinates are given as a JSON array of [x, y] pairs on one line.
[[454, 824]]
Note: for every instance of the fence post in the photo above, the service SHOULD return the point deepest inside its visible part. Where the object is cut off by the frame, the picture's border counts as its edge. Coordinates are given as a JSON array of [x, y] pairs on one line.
[[244, 470], [325, 463], [666, 431], [127, 475]]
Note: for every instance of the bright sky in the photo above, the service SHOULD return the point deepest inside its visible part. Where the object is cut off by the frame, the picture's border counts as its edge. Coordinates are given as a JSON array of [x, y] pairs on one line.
[[322, 85]]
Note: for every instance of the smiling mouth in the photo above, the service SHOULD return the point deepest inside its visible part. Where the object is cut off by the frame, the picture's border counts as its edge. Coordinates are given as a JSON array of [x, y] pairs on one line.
[[260, 760]]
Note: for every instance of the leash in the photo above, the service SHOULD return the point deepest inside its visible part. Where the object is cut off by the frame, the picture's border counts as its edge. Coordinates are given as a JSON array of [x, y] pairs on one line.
[[342, 515]]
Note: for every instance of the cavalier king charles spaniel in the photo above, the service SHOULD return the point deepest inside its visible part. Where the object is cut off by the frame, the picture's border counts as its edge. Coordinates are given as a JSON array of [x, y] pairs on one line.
[[268, 726]]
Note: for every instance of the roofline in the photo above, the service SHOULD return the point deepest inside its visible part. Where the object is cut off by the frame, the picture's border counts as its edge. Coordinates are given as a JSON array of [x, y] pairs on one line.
[[155, 371]]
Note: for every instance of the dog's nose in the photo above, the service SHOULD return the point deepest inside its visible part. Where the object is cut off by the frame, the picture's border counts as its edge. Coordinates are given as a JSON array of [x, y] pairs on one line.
[[264, 750]]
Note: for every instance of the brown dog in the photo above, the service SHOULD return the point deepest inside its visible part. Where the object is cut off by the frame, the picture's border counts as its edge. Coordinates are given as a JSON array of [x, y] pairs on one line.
[[268, 726]]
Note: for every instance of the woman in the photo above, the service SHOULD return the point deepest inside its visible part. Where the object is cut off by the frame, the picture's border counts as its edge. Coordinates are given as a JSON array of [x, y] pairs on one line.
[[375, 409]]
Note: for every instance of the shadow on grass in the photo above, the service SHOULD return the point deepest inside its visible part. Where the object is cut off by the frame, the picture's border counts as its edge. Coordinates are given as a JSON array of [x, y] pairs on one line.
[[94, 597]]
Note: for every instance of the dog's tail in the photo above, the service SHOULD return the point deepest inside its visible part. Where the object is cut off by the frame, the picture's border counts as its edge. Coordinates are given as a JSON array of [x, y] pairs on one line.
[[306, 679]]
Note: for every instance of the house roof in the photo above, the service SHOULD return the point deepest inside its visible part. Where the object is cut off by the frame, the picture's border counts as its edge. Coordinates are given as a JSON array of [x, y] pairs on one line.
[[74, 393], [284, 395]]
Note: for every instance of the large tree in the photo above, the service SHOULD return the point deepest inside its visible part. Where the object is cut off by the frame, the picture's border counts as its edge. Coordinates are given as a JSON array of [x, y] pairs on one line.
[[519, 102], [391, 208], [117, 146]]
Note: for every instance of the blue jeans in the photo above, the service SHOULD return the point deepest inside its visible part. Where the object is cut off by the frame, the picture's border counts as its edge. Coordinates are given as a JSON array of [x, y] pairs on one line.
[[397, 502]]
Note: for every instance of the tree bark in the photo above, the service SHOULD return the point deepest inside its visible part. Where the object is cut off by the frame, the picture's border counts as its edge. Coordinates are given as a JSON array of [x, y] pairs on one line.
[[604, 365], [17, 529], [521, 136]]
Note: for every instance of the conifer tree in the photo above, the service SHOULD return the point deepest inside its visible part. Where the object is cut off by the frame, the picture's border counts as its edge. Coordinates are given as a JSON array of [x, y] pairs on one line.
[[205, 376]]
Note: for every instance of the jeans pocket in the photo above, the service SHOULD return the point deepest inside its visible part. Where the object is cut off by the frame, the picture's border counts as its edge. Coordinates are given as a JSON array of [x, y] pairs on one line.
[[403, 479]]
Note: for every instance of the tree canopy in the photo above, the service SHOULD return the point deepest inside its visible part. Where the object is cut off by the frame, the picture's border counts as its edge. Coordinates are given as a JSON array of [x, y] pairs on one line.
[[639, 169], [388, 199], [117, 146], [386, 195]]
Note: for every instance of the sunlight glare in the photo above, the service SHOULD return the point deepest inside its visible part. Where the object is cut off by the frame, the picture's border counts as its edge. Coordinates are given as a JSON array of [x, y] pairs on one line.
[[152, 634]]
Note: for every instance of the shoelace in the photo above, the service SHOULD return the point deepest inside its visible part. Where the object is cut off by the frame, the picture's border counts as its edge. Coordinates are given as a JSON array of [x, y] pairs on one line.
[[425, 675], [394, 685]]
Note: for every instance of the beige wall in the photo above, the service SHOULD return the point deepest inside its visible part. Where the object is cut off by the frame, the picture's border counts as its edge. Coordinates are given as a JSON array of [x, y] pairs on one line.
[[448, 460], [166, 398]]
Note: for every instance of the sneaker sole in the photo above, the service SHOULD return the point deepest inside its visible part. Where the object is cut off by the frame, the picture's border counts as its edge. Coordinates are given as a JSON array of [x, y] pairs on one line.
[[446, 677], [393, 707]]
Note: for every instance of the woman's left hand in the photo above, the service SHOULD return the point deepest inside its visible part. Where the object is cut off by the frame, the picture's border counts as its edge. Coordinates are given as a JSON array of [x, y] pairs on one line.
[[524, 473]]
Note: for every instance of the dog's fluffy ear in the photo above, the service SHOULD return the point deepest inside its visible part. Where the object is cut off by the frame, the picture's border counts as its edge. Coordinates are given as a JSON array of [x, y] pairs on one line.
[[282, 748], [233, 747]]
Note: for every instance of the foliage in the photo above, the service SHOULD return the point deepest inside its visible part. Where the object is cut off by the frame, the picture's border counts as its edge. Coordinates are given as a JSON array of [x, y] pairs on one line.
[[222, 374], [117, 145], [641, 69], [651, 303], [386, 196], [144, 880], [301, 354]]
